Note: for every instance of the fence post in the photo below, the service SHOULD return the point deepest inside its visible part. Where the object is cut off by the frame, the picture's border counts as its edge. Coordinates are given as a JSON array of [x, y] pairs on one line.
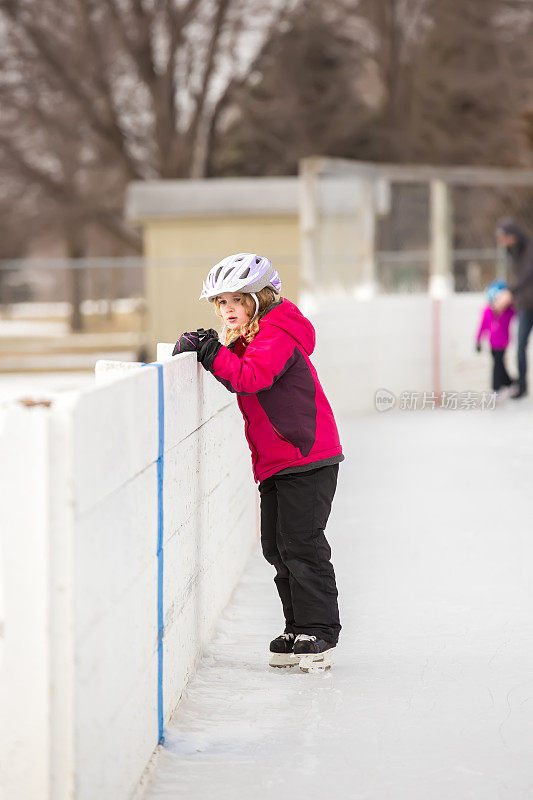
[[366, 234], [309, 221], [440, 277]]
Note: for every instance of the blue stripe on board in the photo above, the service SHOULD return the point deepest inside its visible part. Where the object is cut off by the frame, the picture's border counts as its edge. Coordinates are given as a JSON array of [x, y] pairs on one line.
[[160, 468], [160, 619]]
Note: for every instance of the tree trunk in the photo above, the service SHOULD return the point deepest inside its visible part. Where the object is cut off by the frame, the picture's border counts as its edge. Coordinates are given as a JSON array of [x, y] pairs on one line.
[[76, 279]]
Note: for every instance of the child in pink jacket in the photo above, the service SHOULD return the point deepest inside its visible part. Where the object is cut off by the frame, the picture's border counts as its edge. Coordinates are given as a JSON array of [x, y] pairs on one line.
[[264, 358], [496, 328]]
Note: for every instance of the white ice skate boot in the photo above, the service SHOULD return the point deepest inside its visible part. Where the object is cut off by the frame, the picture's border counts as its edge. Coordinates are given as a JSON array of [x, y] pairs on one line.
[[312, 654]]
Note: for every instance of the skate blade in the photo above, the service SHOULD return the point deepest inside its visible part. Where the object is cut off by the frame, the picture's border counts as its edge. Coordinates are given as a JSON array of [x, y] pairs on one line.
[[314, 662], [281, 660]]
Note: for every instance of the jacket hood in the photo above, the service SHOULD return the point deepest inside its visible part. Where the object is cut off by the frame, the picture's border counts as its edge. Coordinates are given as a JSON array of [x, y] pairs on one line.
[[289, 317]]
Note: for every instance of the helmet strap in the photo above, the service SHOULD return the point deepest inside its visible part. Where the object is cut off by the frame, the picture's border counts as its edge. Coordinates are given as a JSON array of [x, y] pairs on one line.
[[256, 305]]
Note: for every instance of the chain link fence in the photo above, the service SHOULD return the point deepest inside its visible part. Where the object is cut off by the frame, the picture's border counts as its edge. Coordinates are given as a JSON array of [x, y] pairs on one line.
[[65, 313]]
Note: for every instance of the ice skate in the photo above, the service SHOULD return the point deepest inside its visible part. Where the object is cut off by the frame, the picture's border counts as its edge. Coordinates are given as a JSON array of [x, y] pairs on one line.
[[312, 654], [281, 650]]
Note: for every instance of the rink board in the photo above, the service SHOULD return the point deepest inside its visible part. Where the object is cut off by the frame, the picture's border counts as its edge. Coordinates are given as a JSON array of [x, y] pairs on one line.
[[82, 709]]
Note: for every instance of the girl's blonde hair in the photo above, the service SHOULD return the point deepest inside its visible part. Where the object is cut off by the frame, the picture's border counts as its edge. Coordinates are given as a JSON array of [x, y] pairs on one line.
[[265, 298]]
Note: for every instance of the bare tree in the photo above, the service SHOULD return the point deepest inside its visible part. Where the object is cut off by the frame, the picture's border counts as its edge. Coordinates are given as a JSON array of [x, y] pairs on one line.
[[441, 81], [97, 93], [469, 77], [302, 99]]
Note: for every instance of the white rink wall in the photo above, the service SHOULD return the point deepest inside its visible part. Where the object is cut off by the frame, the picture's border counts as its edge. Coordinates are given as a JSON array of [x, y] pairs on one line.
[[24, 604], [79, 582], [386, 342]]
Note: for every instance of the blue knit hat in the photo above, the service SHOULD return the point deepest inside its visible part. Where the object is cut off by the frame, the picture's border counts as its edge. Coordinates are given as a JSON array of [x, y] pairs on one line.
[[494, 289]]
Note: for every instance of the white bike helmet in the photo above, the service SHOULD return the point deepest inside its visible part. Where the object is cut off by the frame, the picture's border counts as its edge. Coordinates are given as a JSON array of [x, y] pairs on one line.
[[243, 272]]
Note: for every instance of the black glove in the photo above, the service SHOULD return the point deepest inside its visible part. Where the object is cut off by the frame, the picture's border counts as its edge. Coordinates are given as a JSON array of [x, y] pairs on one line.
[[190, 340], [210, 334], [478, 347], [207, 352], [187, 343]]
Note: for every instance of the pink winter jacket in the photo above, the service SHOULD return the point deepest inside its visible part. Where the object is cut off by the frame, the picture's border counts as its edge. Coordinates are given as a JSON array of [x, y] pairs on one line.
[[496, 327], [288, 420]]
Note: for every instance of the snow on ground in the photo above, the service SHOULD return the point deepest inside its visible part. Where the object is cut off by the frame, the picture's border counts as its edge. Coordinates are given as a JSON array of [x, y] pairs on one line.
[[25, 327], [431, 695], [35, 310], [39, 385]]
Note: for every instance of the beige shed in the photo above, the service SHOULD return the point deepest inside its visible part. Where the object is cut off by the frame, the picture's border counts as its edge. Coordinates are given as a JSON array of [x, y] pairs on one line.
[[189, 225]]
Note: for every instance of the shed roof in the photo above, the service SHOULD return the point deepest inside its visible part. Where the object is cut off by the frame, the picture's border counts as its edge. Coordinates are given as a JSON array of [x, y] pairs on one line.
[[211, 197]]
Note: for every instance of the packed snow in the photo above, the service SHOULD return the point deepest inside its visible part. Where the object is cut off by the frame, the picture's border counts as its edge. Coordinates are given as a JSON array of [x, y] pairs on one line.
[[39, 385], [38, 328], [431, 694]]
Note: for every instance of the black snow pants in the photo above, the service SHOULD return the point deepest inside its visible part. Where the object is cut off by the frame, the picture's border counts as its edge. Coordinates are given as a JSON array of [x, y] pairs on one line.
[[525, 324], [294, 511], [500, 376]]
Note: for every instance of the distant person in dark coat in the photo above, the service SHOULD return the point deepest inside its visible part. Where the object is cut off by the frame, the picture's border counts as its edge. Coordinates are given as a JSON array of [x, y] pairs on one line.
[[520, 292]]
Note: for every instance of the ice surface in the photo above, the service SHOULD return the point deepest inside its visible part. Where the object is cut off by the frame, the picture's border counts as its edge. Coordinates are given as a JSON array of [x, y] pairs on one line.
[[431, 694]]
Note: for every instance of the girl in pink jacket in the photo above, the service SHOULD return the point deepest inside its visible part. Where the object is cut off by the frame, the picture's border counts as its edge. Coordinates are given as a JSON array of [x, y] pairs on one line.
[[495, 327], [263, 356]]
